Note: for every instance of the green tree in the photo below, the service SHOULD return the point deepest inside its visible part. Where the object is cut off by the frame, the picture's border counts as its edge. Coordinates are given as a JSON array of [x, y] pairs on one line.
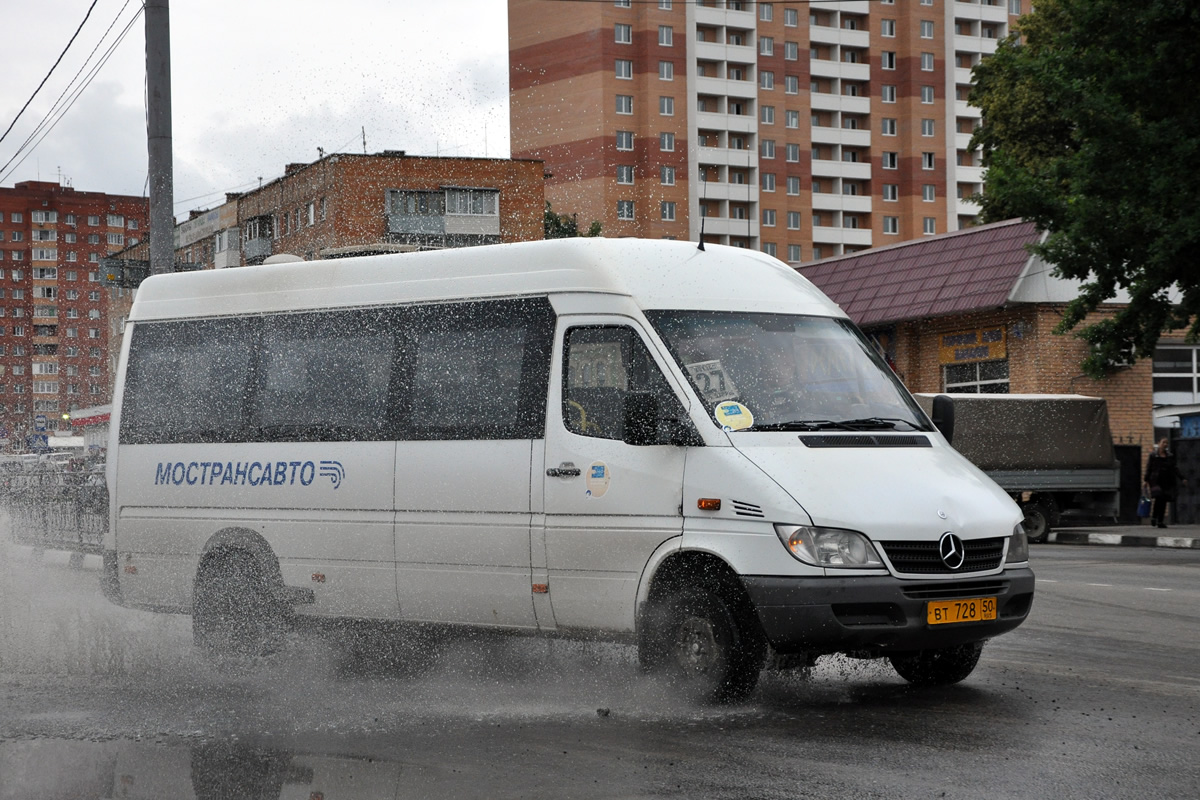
[[561, 226], [1091, 129]]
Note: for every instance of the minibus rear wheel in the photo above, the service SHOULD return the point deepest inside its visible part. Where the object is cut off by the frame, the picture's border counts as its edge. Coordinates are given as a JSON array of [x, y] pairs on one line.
[[707, 648], [233, 612], [938, 667]]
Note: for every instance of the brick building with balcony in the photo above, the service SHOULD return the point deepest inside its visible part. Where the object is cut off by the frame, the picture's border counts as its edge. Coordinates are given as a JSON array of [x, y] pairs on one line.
[[59, 337]]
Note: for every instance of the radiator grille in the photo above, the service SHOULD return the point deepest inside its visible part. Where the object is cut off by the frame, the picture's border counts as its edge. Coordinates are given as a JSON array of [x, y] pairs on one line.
[[923, 557]]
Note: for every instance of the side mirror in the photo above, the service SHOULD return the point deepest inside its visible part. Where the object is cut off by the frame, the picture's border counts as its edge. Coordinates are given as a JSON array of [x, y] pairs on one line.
[[943, 416], [640, 416], [644, 426]]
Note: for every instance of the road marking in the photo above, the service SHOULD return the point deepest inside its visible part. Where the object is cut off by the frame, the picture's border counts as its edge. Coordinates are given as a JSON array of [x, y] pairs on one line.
[[1045, 580], [1153, 589], [1108, 585]]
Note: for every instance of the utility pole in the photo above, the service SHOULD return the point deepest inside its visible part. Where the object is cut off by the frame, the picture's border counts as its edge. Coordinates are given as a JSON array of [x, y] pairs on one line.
[[158, 136]]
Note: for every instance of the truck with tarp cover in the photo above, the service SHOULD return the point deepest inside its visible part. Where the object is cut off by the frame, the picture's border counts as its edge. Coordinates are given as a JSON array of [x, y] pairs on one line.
[[1052, 452]]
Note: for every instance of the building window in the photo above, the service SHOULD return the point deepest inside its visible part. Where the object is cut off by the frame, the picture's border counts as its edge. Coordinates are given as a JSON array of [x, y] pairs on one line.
[[926, 94], [791, 84], [927, 62], [766, 12], [791, 119], [793, 152], [926, 29], [891, 160], [666, 35], [889, 127], [891, 192], [888, 58], [791, 17], [116, 221], [668, 211], [929, 226], [625, 209], [769, 249], [1014, 6], [766, 46], [623, 34], [766, 79], [624, 140], [666, 106], [664, 5], [887, 94], [928, 193], [624, 173], [791, 51], [666, 142], [927, 127], [793, 185], [888, 28], [981, 377], [767, 115], [767, 148], [623, 3], [624, 69], [891, 225], [768, 181], [666, 176], [928, 160], [768, 217], [624, 104], [666, 70], [1175, 375]]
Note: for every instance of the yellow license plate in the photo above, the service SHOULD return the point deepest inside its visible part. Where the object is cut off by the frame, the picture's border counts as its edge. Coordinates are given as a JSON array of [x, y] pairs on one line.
[[975, 609]]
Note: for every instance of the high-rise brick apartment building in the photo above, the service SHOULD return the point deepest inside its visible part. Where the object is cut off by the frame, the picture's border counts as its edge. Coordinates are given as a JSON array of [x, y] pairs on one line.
[[55, 327], [806, 130]]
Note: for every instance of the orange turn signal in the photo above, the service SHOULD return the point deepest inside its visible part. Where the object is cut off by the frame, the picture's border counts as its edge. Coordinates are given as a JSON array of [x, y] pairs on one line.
[[709, 504]]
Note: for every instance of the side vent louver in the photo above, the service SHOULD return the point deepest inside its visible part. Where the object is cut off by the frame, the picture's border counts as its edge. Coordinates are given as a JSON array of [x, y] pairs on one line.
[[746, 509]]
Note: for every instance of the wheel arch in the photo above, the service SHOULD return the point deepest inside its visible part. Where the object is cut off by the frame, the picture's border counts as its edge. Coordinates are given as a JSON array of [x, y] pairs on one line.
[[677, 569], [233, 541]]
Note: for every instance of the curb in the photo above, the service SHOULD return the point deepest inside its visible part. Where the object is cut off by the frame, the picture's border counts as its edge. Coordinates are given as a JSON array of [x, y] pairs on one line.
[[1123, 540]]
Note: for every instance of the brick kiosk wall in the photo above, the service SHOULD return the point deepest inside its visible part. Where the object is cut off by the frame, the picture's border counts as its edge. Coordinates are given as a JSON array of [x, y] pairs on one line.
[[1039, 362]]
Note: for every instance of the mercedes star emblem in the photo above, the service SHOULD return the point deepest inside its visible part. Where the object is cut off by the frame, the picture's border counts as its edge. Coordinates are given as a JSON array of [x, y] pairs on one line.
[[950, 548]]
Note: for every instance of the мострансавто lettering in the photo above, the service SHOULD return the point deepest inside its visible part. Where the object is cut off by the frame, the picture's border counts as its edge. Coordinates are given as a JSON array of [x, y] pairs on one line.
[[236, 473]]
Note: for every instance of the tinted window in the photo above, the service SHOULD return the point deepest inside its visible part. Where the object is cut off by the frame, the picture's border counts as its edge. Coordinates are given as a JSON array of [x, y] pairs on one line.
[[325, 377], [478, 371], [187, 382]]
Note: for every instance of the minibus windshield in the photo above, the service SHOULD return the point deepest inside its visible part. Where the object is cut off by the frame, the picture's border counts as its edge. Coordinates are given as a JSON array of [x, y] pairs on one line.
[[760, 372]]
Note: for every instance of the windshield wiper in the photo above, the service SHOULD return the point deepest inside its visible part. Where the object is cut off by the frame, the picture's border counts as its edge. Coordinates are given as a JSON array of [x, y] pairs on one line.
[[802, 425], [873, 423]]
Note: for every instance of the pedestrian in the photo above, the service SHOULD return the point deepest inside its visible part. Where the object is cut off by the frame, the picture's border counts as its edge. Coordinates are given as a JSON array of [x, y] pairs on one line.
[[1160, 482]]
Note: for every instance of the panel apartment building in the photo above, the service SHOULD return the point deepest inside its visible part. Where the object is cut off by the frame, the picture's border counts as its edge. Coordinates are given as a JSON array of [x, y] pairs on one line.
[[58, 339], [805, 130]]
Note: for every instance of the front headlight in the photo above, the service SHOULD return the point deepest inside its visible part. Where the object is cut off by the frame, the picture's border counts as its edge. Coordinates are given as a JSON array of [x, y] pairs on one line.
[[1018, 545], [829, 547]]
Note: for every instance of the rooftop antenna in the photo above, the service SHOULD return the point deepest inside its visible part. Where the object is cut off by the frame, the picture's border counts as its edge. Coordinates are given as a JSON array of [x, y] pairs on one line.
[[320, 153], [703, 206], [364, 135]]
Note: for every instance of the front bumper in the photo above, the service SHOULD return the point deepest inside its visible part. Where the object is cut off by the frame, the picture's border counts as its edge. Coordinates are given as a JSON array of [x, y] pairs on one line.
[[882, 614]]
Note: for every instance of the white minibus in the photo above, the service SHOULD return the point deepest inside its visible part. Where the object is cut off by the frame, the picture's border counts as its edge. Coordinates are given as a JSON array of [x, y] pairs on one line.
[[691, 449]]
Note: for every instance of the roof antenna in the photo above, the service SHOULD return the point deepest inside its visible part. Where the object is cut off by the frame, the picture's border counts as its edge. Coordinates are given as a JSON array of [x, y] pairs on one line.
[[703, 206]]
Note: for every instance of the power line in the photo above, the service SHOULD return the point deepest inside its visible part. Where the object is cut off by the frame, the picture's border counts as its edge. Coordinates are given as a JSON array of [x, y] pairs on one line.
[[71, 101], [53, 108], [48, 74]]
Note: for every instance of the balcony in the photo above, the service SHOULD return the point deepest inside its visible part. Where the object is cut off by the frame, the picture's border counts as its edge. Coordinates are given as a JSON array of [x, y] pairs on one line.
[[824, 101], [710, 15], [968, 174], [257, 248], [855, 170], [724, 226], [853, 203], [848, 6], [725, 157], [738, 123], [851, 236], [737, 192], [716, 51], [975, 44], [984, 12], [965, 208]]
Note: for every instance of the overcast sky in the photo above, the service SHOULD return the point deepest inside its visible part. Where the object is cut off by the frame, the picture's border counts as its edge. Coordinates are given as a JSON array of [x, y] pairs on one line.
[[255, 85]]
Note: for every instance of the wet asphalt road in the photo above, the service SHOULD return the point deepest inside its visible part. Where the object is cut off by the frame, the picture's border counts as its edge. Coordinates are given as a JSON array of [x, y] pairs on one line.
[[1096, 696]]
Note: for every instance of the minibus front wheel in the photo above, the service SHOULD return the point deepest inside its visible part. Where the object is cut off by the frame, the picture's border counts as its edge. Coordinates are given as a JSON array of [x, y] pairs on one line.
[[938, 666], [706, 646], [234, 612]]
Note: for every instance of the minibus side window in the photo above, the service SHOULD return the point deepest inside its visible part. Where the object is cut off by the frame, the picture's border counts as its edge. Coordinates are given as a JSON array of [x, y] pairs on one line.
[[187, 381], [602, 366], [475, 370], [325, 377]]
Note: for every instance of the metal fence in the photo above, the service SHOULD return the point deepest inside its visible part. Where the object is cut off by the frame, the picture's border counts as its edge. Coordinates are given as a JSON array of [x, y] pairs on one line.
[[55, 508]]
